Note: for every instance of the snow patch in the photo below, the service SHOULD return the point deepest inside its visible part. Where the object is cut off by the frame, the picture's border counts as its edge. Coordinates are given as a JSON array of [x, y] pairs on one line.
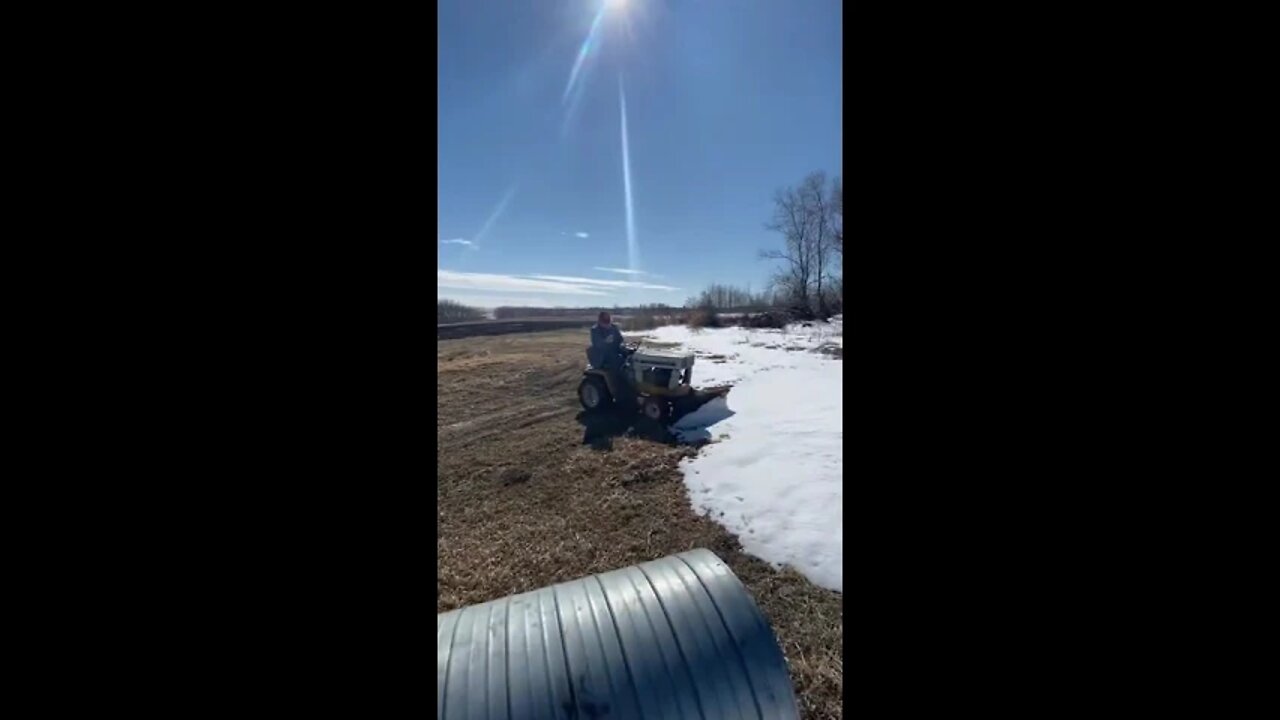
[[773, 475]]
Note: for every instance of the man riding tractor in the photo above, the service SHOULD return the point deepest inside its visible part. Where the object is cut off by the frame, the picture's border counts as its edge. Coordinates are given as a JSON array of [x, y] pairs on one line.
[[655, 381], [607, 351]]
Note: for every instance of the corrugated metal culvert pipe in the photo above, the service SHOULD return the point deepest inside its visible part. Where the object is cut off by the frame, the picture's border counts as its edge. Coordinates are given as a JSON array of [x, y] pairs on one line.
[[675, 638]]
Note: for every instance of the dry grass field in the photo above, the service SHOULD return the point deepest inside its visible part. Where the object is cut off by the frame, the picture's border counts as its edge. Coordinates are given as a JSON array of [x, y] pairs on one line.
[[531, 492]]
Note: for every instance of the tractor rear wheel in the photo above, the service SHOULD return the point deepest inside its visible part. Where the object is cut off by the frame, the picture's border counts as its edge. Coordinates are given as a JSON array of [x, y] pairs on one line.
[[593, 394]]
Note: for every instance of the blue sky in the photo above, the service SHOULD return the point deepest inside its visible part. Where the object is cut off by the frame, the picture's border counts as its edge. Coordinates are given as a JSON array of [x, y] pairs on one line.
[[725, 101]]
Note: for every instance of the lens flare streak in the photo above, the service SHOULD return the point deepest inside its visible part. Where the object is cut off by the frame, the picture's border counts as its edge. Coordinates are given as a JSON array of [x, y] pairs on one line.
[[583, 52], [493, 217], [570, 100], [633, 249]]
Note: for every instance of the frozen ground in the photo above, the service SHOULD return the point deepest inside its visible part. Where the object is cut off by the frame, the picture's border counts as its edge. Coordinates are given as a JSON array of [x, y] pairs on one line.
[[772, 473]]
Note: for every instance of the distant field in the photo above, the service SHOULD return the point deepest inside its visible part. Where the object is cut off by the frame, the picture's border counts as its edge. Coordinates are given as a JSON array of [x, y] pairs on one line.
[[534, 323], [453, 331]]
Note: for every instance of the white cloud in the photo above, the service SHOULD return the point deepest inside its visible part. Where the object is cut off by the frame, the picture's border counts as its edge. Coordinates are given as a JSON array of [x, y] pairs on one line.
[[456, 241], [624, 271], [582, 235], [489, 301], [604, 283], [543, 284], [510, 283]]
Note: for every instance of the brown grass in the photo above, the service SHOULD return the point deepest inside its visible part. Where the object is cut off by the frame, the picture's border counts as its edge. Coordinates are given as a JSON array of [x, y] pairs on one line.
[[532, 493]]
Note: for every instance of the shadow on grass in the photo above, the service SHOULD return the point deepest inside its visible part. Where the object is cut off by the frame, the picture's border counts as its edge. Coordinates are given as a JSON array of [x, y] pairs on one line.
[[601, 427]]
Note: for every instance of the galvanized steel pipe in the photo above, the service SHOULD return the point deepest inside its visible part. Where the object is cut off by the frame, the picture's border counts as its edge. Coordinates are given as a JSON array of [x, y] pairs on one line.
[[677, 638]]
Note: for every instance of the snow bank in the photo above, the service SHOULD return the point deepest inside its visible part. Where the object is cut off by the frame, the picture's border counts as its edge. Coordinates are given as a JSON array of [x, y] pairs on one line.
[[772, 473]]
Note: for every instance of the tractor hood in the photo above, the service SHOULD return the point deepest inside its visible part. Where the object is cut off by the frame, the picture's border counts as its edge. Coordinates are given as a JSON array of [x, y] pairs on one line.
[[663, 358]]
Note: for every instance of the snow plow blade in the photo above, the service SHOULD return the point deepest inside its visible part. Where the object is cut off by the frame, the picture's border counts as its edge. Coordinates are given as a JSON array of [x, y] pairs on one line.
[[697, 399], [706, 395]]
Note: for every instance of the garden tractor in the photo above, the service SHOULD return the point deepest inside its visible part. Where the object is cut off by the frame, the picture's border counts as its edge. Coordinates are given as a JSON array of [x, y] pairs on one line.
[[653, 381]]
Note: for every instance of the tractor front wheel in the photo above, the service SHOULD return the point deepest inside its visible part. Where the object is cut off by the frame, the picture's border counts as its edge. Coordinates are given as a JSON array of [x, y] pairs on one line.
[[655, 409]]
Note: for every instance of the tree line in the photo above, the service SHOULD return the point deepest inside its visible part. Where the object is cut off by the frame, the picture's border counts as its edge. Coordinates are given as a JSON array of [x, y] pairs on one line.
[[449, 311], [723, 297]]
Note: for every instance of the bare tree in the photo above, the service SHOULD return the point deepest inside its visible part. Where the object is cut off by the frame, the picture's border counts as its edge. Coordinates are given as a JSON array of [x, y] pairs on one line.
[[837, 216], [791, 219], [809, 217], [813, 191]]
